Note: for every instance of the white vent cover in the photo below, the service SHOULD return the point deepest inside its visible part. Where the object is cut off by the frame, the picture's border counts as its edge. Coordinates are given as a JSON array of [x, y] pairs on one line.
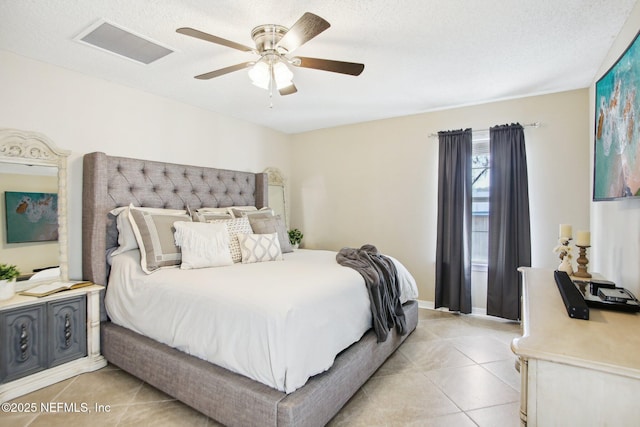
[[112, 38]]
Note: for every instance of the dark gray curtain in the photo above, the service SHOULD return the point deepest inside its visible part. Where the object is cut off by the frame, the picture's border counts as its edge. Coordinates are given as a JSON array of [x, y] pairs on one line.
[[453, 251], [509, 231]]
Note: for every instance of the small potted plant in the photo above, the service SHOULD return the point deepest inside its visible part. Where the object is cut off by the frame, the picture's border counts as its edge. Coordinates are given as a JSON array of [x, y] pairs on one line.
[[8, 275], [295, 237]]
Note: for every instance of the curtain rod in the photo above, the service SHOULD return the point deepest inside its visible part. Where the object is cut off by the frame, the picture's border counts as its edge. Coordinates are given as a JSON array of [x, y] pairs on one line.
[[528, 125]]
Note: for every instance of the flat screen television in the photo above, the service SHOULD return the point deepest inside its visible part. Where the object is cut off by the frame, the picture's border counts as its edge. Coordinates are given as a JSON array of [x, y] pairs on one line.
[[616, 172], [31, 217]]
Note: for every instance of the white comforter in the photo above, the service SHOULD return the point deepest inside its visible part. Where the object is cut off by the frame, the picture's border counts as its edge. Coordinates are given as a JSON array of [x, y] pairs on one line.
[[278, 322]]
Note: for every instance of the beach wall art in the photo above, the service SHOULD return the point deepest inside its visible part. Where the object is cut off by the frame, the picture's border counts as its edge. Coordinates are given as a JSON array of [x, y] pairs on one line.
[[617, 128], [31, 217]]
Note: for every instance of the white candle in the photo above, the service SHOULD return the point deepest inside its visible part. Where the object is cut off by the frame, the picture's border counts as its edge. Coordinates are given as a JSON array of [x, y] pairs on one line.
[[583, 238], [565, 230]]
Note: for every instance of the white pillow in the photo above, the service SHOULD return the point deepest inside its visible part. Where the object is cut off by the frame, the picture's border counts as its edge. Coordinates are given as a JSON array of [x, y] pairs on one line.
[[235, 226], [203, 244], [259, 247], [126, 237]]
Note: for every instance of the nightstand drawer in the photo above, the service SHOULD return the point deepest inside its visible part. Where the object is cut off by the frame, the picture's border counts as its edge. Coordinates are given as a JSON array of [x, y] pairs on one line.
[[67, 330], [22, 337]]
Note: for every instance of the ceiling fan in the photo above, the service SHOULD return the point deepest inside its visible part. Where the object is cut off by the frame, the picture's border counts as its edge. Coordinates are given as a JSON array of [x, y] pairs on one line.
[[274, 45]]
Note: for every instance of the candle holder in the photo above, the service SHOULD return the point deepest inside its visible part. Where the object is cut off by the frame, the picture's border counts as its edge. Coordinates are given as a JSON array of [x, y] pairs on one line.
[[582, 263]]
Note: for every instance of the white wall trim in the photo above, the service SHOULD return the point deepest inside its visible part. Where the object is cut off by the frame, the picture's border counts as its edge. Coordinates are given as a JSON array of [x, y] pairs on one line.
[[430, 305]]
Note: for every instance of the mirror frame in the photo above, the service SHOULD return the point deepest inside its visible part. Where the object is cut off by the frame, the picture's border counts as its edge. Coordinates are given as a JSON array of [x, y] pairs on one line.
[[33, 148], [276, 178]]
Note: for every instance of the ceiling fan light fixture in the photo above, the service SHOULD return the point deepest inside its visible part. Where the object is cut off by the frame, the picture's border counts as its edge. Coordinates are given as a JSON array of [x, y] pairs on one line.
[[260, 75], [282, 75], [274, 45]]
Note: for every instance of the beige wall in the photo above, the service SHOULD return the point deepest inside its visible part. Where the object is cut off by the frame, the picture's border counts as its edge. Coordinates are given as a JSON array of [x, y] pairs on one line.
[[376, 182], [85, 114], [615, 225]]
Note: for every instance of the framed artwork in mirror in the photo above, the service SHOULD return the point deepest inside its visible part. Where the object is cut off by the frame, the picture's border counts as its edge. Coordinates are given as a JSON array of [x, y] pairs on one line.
[[31, 217]]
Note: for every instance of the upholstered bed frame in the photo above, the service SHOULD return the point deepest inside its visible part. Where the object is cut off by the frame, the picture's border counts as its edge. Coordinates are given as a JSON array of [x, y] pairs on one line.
[[229, 398]]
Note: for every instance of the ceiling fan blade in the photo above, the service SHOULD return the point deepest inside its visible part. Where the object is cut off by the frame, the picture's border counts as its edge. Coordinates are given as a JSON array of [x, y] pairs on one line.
[[341, 67], [213, 39], [305, 28], [288, 90], [223, 71]]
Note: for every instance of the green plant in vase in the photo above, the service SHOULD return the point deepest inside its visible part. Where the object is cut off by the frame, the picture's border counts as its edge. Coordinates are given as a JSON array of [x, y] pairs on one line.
[[295, 237], [8, 275], [8, 272]]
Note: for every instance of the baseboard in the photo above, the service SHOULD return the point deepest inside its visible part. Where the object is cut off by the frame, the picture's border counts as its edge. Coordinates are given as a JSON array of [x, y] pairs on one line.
[[430, 305]]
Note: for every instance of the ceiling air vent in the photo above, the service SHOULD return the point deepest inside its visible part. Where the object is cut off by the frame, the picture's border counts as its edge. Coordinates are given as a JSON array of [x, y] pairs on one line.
[[112, 38]]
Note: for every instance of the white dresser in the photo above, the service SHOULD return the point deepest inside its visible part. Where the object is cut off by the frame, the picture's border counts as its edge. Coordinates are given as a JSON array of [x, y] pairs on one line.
[[575, 372]]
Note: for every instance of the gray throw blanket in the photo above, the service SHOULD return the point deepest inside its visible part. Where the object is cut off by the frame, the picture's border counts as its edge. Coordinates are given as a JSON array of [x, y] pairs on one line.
[[381, 277]]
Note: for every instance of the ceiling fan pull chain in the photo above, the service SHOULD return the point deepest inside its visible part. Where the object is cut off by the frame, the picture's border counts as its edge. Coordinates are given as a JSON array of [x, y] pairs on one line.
[[271, 84]]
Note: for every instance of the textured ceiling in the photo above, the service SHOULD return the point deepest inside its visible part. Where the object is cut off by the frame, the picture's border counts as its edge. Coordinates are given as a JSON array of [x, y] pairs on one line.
[[419, 55]]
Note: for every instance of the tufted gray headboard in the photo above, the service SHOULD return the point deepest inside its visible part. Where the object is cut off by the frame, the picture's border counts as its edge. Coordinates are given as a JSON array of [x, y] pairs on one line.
[[110, 182]]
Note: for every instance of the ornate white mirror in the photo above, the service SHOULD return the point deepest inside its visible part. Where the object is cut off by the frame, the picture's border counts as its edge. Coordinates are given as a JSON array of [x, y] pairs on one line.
[[277, 193], [33, 207]]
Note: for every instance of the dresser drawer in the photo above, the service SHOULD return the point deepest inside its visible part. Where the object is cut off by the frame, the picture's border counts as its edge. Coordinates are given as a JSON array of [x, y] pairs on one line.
[[48, 339], [41, 336], [67, 331], [23, 340]]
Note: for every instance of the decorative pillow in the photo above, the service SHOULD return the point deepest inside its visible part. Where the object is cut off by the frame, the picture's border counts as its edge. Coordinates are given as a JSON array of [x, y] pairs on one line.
[[213, 210], [239, 209], [209, 214], [261, 224], [203, 245], [235, 226], [259, 247], [126, 237], [239, 213], [154, 234]]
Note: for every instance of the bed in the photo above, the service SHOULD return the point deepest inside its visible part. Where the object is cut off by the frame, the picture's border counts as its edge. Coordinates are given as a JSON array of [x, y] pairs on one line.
[[220, 392]]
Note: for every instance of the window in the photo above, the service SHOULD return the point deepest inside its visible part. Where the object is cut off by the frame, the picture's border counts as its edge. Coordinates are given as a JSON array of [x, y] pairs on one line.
[[480, 199]]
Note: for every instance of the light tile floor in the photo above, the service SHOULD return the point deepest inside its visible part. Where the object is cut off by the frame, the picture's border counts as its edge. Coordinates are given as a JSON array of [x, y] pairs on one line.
[[453, 370]]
